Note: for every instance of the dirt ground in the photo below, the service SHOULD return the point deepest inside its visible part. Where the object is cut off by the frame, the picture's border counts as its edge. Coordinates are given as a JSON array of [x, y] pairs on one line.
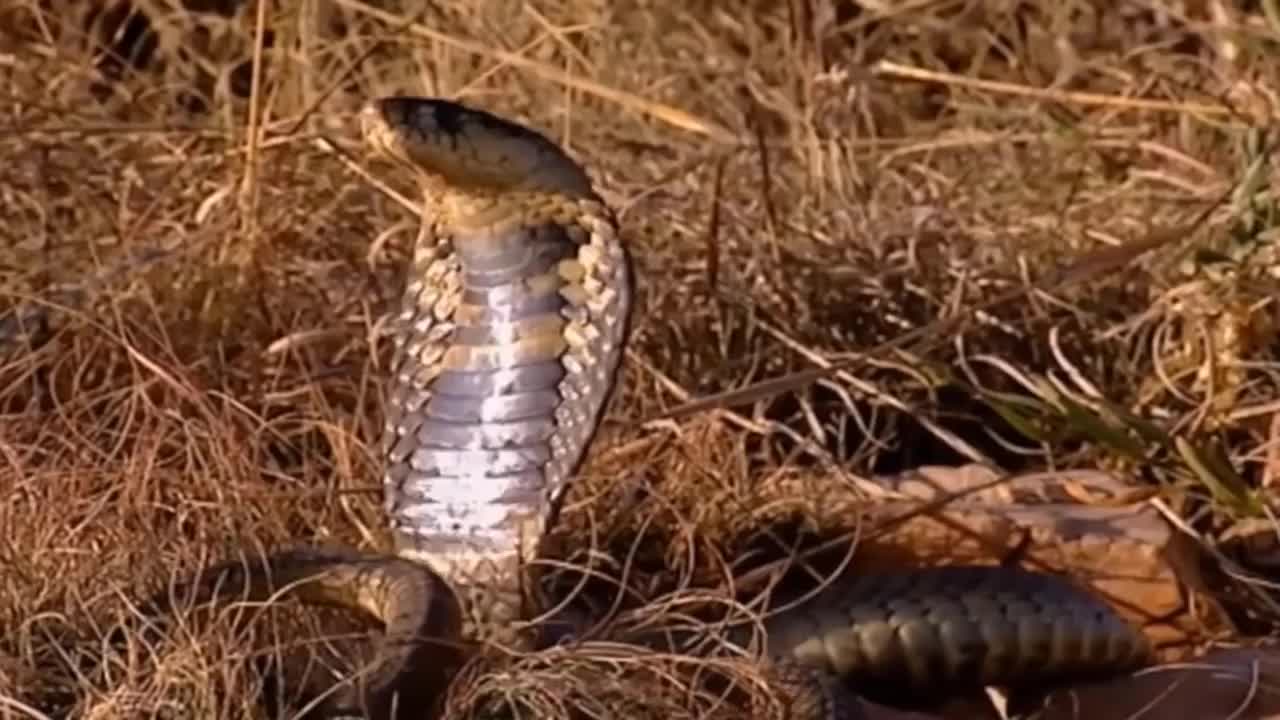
[[1033, 234]]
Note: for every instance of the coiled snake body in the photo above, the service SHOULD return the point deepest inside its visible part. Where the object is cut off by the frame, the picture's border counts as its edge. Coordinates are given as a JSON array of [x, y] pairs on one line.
[[514, 318]]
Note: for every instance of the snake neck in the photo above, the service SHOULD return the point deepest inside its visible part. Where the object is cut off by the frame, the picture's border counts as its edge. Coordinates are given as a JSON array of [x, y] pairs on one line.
[[474, 437], [490, 410]]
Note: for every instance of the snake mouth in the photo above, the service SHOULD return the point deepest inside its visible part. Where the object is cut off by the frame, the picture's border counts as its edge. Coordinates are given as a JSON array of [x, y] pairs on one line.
[[420, 649]]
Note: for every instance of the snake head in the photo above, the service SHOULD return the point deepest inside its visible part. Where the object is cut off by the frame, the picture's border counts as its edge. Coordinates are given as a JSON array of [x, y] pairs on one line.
[[463, 150]]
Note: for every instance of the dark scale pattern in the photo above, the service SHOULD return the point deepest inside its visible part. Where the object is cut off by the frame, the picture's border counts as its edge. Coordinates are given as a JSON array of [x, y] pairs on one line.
[[930, 630]]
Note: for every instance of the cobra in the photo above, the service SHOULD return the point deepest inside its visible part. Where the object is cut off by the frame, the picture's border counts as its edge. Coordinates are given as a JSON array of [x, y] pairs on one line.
[[512, 326]]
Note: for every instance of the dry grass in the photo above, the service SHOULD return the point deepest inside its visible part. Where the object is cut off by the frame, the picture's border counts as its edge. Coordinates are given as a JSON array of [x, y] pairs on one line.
[[1055, 222]]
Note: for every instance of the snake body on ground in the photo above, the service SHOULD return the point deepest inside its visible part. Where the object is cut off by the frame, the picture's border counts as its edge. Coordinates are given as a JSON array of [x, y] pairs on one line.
[[513, 323]]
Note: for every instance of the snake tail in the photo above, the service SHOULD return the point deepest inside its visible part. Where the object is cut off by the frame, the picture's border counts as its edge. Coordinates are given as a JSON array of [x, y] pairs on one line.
[[927, 632], [416, 656]]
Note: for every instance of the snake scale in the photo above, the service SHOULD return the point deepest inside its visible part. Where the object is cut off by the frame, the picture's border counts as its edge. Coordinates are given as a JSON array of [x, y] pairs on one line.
[[513, 322]]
